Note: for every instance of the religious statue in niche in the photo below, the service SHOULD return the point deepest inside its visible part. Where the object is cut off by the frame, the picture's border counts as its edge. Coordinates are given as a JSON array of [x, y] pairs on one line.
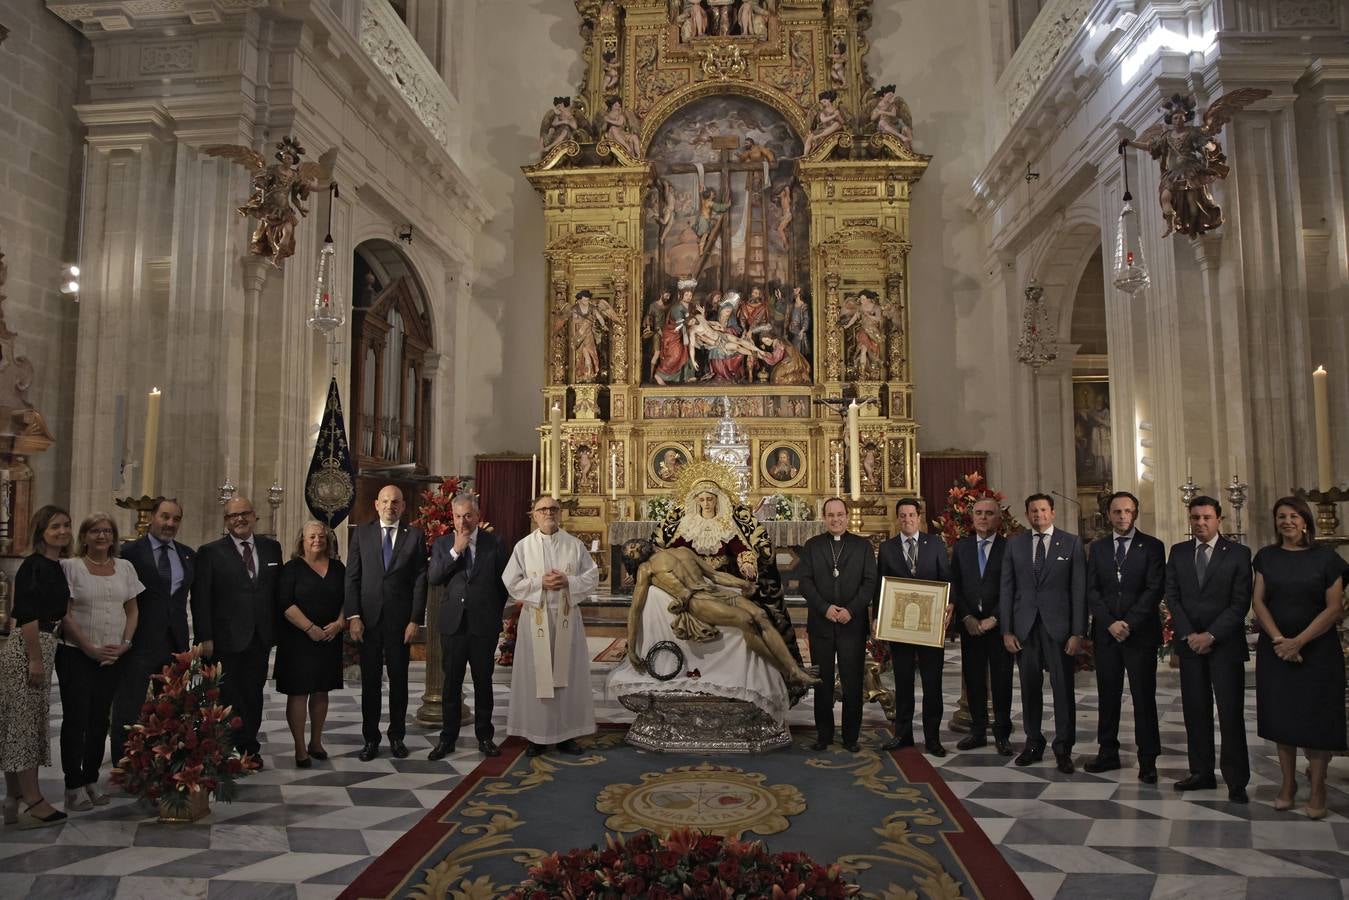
[[278, 193], [559, 124], [829, 120], [726, 249], [611, 72], [838, 65], [587, 348], [891, 116], [1191, 158], [723, 18], [866, 324], [585, 474]]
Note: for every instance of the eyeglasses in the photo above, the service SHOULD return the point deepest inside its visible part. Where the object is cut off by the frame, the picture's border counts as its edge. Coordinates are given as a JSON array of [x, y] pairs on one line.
[[239, 515], [99, 531], [550, 510]]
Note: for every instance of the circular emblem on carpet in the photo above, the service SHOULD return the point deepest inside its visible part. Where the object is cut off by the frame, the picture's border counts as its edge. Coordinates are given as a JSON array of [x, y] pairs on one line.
[[717, 799]]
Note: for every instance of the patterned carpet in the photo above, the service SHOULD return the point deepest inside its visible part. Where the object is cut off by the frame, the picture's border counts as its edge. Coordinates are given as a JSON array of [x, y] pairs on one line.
[[308, 833]]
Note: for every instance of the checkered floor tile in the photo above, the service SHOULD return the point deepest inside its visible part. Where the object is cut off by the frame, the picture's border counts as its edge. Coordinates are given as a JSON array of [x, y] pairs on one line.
[[306, 833]]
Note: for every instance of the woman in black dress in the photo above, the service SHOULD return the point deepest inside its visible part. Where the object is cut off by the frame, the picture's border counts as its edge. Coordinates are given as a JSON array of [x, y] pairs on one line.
[[1299, 683], [27, 659], [308, 651]]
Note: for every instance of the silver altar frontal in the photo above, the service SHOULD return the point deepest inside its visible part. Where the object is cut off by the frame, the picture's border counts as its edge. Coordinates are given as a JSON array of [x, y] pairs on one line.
[[691, 722]]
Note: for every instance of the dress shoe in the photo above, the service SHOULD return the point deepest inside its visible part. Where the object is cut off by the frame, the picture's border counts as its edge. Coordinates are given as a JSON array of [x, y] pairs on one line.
[[1197, 783], [1147, 773], [934, 747], [897, 743], [398, 749], [1102, 764], [1064, 763], [972, 742], [1003, 746], [854, 747], [820, 746], [487, 748], [570, 747], [1030, 754], [535, 749], [441, 750], [368, 752], [1237, 795], [318, 753], [305, 763]]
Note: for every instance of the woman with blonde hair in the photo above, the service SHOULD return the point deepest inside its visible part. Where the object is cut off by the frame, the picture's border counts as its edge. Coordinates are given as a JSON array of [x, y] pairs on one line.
[[41, 598], [309, 649], [95, 634], [1299, 666]]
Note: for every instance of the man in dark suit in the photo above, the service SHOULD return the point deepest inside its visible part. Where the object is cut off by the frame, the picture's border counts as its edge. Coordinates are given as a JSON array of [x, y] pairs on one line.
[[976, 579], [1208, 591], [165, 567], [385, 604], [234, 613], [1124, 588], [1043, 608], [914, 554], [838, 580], [470, 563]]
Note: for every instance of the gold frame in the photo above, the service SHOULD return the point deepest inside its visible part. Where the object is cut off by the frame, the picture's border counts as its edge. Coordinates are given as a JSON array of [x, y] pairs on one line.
[[655, 451], [934, 594], [768, 449]]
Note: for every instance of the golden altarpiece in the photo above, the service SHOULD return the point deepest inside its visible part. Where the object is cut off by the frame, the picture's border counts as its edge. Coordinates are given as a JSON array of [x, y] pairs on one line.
[[727, 205]]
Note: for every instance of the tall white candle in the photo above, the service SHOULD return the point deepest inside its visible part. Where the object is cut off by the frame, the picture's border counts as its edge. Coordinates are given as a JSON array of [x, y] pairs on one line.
[[854, 454], [533, 477], [1321, 400], [151, 442], [838, 472], [555, 450], [613, 474], [917, 473]]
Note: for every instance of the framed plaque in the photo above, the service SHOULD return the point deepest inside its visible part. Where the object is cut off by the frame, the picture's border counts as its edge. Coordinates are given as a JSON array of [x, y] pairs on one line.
[[912, 611]]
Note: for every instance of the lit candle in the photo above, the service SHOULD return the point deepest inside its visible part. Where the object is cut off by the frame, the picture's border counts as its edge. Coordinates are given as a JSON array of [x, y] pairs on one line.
[[838, 472], [1321, 399], [854, 454], [917, 473], [533, 477], [555, 451], [151, 442], [613, 474]]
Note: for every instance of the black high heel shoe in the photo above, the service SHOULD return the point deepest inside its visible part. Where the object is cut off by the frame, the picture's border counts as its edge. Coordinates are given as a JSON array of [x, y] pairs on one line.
[[320, 755], [30, 819]]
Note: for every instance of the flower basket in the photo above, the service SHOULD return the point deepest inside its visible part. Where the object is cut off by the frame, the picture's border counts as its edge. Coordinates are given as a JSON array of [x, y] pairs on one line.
[[687, 863], [181, 750]]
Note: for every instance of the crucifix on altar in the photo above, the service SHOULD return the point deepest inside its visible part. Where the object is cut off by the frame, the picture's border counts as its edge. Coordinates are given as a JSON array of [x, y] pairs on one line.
[[717, 206]]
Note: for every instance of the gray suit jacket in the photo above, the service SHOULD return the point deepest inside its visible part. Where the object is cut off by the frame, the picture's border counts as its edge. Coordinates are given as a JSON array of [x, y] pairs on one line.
[[1058, 597]]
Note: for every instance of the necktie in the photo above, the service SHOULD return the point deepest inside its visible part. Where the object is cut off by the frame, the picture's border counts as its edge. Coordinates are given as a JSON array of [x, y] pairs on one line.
[[1039, 564], [1119, 554], [1201, 562], [165, 570], [468, 560], [983, 556], [912, 555], [248, 561], [388, 546]]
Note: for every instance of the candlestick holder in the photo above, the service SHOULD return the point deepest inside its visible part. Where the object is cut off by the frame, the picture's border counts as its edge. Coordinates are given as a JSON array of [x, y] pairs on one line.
[[1236, 499], [143, 506], [1189, 490], [227, 490], [855, 516], [1327, 521]]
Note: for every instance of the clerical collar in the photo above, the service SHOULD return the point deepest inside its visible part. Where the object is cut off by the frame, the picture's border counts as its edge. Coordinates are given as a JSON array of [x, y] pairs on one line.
[[838, 537]]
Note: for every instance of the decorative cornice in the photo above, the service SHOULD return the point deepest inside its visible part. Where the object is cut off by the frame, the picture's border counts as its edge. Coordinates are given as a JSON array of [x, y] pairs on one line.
[[1054, 29], [394, 51], [127, 15]]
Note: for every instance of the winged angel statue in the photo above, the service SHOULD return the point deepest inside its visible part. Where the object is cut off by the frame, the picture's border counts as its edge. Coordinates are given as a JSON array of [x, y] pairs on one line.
[[278, 192], [1191, 158]]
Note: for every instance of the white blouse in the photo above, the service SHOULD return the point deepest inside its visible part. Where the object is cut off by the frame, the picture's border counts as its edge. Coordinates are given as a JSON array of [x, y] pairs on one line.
[[96, 601]]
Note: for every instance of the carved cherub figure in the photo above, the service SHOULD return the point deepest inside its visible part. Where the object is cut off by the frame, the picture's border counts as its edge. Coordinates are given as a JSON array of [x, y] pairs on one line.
[[278, 192], [559, 124], [838, 65], [1191, 158], [829, 120], [611, 71], [891, 115], [619, 128]]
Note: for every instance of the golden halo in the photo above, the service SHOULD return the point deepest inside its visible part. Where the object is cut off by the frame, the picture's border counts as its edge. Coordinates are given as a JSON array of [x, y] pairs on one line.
[[718, 473]]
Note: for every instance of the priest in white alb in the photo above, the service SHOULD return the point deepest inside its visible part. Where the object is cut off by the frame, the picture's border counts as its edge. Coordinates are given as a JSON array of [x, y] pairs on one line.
[[550, 573]]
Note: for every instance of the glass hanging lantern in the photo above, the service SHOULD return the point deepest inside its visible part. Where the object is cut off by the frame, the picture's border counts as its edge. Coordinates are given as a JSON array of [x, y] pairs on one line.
[[1131, 274], [327, 313]]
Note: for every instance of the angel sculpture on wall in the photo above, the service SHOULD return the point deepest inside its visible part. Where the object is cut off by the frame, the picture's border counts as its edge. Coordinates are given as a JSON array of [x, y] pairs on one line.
[[620, 128], [559, 124], [589, 318], [1191, 158], [278, 192], [691, 18], [891, 115], [829, 120]]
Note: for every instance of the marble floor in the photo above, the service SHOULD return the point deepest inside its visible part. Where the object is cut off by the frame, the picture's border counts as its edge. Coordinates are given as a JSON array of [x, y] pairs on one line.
[[306, 833]]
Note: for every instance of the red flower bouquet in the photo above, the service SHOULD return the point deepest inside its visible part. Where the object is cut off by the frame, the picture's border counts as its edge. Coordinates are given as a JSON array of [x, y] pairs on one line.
[[434, 516], [957, 519], [183, 743], [686, 864]]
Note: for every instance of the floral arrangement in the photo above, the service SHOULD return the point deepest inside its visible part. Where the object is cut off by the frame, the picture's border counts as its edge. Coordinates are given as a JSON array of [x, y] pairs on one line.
[[509, 633], [435, 517], [658, 508], [687, 863], [183, 742], [1168, 632], [957, 521]]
